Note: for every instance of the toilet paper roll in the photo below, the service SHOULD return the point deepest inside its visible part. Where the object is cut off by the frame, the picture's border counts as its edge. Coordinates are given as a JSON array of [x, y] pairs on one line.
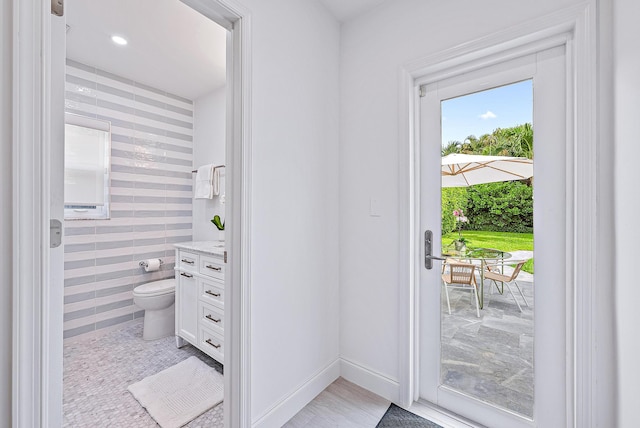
[[152, 265]]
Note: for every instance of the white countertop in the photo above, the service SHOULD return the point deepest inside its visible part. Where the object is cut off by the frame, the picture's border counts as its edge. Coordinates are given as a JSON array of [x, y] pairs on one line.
[[214, 248]]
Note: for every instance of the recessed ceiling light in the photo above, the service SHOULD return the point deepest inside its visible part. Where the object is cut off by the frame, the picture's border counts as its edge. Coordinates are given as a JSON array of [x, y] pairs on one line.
[[118, 40]]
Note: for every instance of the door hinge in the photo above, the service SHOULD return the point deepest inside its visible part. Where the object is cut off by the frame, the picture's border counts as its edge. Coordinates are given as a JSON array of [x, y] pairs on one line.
[[423, 91], [57, 7], [225, 256]]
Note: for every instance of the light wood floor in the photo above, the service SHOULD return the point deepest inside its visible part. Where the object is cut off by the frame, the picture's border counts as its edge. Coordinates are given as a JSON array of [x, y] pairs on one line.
[[342, 404], [346, 405]]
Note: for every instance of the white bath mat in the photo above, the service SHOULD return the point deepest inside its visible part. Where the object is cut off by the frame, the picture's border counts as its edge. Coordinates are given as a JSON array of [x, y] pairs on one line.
[[181, 393]]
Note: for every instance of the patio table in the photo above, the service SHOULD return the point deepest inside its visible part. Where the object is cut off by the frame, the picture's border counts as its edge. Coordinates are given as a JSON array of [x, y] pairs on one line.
[[483, 255]]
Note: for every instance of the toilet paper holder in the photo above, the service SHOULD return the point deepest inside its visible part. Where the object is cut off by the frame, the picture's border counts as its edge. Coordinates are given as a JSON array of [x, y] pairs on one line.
[[144, 263]]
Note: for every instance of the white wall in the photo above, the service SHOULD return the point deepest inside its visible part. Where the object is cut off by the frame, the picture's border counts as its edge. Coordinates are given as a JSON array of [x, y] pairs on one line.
[[98, 285], [374, 47], [294, 317], [208, 147], [627, 206], [6, 229], [295, 76]]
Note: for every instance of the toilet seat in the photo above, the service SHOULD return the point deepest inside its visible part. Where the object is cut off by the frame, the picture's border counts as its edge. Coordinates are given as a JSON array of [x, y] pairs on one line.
[[155, 288]]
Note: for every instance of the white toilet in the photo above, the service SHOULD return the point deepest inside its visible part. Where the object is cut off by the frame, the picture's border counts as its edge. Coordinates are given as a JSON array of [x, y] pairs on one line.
[[157, 298]]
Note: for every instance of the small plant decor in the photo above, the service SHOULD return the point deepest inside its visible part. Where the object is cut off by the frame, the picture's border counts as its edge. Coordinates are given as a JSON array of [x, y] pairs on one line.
[[218, 222]]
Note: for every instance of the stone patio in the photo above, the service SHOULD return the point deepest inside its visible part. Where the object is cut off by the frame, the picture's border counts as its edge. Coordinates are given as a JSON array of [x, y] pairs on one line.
[[491, 357]]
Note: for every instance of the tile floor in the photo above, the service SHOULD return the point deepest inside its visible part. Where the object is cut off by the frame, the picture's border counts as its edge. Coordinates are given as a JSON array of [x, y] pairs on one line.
[[97, 371], [490, 357]]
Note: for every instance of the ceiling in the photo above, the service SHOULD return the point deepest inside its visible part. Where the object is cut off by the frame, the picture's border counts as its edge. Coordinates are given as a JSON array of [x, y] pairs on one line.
[[171, 47], [344, 10]]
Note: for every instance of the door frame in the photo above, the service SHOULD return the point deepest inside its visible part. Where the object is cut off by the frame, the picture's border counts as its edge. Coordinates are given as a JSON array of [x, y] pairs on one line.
[[575, 28], [544, 69], [36, 371]]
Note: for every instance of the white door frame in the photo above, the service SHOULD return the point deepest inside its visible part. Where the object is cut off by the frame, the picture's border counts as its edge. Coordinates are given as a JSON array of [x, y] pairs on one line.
[[575, 28], [546, 70], [37, 374]]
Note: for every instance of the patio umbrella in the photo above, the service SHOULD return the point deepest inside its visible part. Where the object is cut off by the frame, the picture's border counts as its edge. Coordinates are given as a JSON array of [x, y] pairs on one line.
[[459, 170]]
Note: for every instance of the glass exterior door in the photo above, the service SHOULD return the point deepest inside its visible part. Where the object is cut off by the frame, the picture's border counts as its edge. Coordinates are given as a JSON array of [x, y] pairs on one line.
[[482, 340]]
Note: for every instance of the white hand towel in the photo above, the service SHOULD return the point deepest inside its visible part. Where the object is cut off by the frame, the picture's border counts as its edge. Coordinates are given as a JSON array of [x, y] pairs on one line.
[[204, 187], [216, 182]]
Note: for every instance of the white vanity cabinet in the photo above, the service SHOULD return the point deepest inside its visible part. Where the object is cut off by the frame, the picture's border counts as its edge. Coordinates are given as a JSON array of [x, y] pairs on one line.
[[186, 295], [200, 292]]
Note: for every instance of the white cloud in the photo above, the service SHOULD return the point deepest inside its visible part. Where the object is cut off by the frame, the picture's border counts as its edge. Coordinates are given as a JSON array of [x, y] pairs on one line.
[[488, 115]]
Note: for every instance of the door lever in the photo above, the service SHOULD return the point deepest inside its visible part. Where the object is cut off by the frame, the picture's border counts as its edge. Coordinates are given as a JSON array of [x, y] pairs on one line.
[[428, 249]]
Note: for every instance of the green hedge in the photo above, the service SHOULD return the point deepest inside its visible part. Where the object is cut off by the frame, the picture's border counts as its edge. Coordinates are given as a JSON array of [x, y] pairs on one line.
[[500, 207]]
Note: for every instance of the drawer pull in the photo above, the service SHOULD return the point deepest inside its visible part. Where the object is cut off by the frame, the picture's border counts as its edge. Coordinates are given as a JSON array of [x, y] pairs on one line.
[[212, 344], [189, 262], [212, 293], [217, 269], [209, 317], [186, 275]]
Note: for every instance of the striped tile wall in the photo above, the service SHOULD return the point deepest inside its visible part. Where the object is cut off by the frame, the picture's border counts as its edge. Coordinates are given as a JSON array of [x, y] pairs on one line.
[[151, 197]]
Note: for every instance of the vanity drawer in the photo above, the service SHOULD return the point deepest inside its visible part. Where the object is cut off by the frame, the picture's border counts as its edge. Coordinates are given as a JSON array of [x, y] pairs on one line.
[[212, 344], [212, 291], [188, 261], [212, 266], [211, 317]]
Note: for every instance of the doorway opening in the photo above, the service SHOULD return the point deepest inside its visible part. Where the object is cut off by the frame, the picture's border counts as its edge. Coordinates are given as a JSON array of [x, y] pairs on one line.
[[164, 97], [39, 260]]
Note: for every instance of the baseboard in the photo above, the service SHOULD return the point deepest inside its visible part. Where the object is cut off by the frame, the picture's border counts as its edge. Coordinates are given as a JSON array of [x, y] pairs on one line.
[[370, 380], [289, 406]]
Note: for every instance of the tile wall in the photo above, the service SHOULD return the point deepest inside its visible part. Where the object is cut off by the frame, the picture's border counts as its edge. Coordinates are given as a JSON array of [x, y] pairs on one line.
[[151, 197]]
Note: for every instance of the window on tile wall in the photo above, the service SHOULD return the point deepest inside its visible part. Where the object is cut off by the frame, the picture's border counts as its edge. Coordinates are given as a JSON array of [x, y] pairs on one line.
[[87, 145]]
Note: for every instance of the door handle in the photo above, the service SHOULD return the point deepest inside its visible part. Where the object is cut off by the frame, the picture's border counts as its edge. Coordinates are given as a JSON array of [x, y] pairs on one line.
[[428, 249]]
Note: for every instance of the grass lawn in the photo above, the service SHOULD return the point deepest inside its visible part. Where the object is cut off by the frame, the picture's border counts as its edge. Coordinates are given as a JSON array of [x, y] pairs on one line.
[[505, 241]]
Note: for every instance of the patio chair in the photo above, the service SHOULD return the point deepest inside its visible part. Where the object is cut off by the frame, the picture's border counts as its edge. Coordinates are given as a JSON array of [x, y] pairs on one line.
[[456, 274], [494, 274]]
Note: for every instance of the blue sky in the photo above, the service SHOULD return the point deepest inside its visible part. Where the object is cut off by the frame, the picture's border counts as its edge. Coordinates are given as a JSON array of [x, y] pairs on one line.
[[482, 112]]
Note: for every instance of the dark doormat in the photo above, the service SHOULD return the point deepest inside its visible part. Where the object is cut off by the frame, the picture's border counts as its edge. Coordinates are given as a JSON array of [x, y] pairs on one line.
[[398, 417]]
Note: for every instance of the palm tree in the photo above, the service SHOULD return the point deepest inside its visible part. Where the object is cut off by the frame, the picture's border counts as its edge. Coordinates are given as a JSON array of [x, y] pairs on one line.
[[489, 144], [515, 141], [451, 147], [520, 142], [470, 145]]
